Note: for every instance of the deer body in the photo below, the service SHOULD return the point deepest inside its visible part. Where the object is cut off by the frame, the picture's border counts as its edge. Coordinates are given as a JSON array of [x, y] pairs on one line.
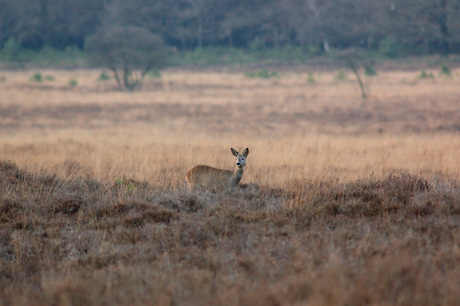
[[207, 177]]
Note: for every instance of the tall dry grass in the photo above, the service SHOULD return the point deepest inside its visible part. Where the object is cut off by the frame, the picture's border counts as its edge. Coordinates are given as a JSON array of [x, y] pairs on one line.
[[162, 160]]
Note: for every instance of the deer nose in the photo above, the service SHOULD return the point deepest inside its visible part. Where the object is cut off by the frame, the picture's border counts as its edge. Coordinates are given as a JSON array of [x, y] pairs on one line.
[[238, 164]]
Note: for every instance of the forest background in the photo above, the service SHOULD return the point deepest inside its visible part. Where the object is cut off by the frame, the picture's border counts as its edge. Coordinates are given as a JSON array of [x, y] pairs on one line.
[[232, 31]]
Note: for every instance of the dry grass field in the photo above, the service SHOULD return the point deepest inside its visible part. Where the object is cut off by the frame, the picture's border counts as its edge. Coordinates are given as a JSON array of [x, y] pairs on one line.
[[343, 201]]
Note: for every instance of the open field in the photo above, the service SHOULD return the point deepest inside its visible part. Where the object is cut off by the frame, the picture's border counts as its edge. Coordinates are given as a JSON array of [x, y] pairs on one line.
[[344, 200]]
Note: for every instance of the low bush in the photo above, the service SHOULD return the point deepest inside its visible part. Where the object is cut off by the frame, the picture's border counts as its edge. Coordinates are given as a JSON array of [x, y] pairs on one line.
[[154, 74], [73, 82], [425, 75], [36, 77], [310, 78], [445, 71], [341, 76], [262, 74], [104, 76]]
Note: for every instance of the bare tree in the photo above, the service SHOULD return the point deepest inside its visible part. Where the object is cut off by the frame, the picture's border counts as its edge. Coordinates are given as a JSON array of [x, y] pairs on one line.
[[362, 66], [129, 52]]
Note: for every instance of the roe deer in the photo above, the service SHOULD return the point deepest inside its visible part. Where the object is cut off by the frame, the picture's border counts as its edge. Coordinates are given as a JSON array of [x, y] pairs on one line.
[[218, 179]]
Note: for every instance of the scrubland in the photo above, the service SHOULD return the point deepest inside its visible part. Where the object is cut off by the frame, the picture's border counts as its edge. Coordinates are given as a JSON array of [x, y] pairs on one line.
[[343, 201]]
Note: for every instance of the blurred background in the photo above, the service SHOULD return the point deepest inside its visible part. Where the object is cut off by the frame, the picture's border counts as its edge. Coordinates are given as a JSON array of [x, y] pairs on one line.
[[233, 30]]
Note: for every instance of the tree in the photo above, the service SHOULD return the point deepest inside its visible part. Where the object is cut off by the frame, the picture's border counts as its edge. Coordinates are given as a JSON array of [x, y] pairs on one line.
[[359, 61], [129, 52]]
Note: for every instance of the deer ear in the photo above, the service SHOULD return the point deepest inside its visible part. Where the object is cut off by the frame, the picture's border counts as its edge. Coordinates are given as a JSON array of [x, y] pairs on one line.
[[246, 152], [234, 152]]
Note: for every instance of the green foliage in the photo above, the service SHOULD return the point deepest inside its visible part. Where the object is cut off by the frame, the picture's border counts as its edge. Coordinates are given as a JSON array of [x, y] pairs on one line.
[[425, 75], [445, 71], [73, 82], [262, 74], [341, 76], [257, 44], [288, 53], [389, 47], [49, 53], [47, 56], [11, 49], [104, 76], [13, 54], [154, 74], [36, 77], [369, 70], [313, 50], [125, 183], [211, 56], [256, 52], [310, 78]]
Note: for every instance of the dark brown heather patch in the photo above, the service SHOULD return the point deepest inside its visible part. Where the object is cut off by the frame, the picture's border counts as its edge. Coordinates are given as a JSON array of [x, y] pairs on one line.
[[68, 205], [160, 215], [8, 209], [10, 173], [121, 208], [390, 195], [157, 215], [133, 221]]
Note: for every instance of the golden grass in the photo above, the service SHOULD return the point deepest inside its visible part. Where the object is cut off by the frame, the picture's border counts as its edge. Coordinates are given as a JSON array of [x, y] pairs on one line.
[[344, 200], [161, 160], [193, 117]]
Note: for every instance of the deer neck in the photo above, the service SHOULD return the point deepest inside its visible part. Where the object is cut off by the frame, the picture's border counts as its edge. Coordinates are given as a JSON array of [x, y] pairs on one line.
[[237, 175]]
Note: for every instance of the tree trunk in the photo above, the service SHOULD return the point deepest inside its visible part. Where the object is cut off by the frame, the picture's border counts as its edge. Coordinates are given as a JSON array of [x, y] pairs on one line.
[[116, 76], [355, 70]]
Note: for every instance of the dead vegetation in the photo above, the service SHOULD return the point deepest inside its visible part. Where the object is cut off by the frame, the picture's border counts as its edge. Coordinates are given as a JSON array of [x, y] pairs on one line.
[[342, 203], [390, 241]]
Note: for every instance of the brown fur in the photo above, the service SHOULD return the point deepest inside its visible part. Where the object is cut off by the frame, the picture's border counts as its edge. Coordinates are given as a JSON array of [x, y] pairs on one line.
[[206, 177]]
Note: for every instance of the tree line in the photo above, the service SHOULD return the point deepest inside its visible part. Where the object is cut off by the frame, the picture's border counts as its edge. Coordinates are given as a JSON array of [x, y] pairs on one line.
[[395, 27]]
